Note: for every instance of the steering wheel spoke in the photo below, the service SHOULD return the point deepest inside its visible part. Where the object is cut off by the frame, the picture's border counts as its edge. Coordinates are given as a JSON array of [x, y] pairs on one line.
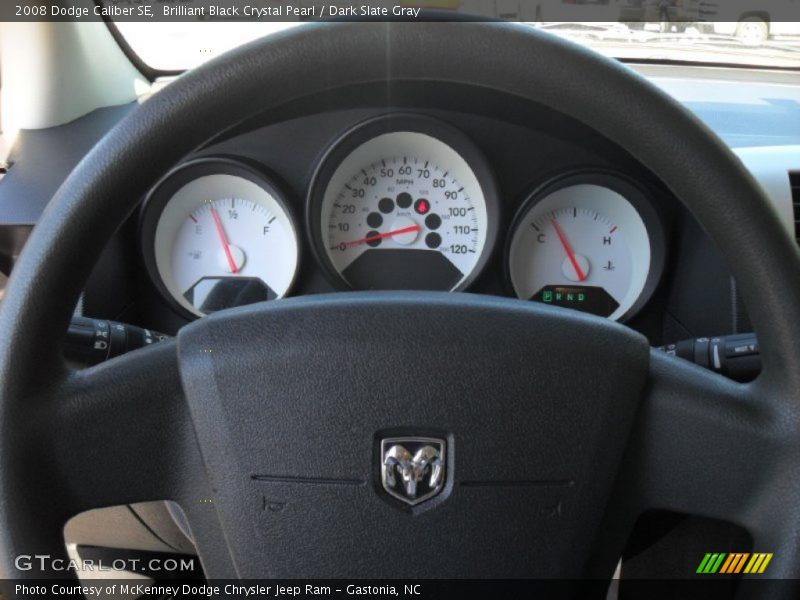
[[109, 435], [701, 441], [707, 446], [123, 431]]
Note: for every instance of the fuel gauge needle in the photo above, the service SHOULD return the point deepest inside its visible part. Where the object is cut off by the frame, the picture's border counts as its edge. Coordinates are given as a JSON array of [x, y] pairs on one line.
[[568, 249], [223, 240]]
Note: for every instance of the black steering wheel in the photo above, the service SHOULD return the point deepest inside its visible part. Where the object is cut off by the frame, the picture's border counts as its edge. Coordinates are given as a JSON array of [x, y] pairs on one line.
[[265, 423]]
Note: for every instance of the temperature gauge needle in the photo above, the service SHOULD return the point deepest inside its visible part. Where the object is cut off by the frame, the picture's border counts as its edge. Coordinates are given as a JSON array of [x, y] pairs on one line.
[[223, 240], [378, 236], [570, 254]]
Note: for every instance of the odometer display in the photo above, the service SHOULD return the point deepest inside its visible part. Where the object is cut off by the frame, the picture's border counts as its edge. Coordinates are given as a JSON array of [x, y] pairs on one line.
[[404, 210]]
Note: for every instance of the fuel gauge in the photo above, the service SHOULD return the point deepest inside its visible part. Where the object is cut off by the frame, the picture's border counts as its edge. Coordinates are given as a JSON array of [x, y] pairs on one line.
[[218, 234]]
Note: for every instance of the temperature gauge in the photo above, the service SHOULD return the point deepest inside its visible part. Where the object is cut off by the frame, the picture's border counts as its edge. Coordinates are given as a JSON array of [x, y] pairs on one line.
[[582, 244], [218, 234]]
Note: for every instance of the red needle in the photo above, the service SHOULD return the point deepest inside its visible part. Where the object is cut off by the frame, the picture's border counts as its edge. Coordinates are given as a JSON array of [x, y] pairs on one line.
[[223, 240], [378, 236], [570, 254]]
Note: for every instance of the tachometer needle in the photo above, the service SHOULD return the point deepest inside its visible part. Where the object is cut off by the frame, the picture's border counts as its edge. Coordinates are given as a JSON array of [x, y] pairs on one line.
[[570, 254], [377, 236], [223, 240]]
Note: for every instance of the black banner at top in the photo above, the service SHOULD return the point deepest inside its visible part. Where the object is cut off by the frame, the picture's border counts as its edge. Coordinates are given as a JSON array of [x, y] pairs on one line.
[[552, 11]]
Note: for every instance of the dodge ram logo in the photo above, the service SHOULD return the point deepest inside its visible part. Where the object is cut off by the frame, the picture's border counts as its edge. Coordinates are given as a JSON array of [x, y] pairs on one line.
[[413, 468]]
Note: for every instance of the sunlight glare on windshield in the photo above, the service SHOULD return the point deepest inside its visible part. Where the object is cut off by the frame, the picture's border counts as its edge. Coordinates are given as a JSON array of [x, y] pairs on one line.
[[180, 46]]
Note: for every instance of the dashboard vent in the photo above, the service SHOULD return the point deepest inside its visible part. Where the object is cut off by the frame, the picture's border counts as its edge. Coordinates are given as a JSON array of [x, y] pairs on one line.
[[794, 182]]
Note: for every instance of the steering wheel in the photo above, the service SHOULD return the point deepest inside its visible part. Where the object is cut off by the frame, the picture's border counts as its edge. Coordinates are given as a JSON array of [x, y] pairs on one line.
[[265, 423]]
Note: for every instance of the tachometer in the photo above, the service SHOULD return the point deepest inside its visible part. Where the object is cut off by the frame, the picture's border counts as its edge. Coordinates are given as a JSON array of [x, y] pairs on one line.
[[404, 203], [589, 242], [218, 234]]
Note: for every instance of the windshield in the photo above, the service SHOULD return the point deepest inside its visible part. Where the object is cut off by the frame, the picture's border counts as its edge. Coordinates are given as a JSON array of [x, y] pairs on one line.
[[180, 46]]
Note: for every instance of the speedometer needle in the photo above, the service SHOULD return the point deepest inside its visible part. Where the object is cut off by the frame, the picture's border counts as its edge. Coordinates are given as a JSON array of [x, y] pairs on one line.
[[570, 254], [377, 236], [223, 240]]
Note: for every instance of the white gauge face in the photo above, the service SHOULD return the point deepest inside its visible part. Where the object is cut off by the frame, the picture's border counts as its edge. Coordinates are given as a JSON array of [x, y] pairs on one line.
[[584, 247], [404, 211], [223, 241]]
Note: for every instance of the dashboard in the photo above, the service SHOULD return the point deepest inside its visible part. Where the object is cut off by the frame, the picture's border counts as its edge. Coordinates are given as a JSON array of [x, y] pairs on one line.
[[423, 186], [401, 196], [400, 201]]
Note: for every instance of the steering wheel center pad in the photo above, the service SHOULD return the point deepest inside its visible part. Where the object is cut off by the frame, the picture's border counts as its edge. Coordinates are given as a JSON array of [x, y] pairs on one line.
[[291, 399]]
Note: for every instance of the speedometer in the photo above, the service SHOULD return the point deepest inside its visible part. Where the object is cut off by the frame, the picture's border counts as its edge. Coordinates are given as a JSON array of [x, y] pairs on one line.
[[404, 203], [591, 242]]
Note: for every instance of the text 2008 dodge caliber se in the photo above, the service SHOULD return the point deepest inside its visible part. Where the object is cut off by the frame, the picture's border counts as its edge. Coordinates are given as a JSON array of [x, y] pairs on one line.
[[411, 300]]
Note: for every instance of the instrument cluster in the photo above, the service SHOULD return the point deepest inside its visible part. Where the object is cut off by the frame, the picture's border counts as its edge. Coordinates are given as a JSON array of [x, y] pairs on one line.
[[400, 202]]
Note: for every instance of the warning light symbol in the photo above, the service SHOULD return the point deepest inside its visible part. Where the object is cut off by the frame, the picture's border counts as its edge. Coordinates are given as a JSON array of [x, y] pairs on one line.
[[422, 206]]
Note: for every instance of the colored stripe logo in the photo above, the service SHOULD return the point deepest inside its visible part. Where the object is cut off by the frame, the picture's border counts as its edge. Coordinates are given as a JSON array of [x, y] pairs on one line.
[[734, 562]]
